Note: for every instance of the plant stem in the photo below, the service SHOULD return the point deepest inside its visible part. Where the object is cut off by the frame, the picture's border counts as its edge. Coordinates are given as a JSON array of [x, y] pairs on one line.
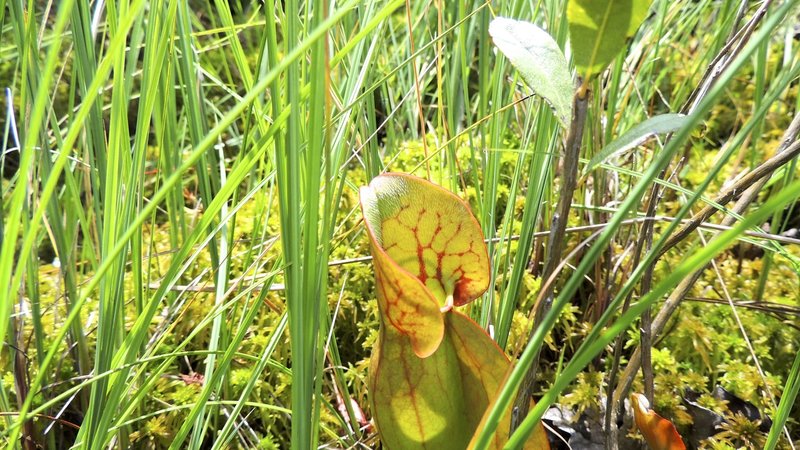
[[569, 165]]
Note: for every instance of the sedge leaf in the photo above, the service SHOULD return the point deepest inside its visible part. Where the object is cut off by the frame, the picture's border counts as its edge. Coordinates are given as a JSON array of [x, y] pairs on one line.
[[637, 135]]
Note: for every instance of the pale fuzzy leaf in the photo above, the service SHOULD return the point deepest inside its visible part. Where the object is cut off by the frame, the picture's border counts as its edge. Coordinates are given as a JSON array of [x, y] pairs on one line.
[[540, 61]]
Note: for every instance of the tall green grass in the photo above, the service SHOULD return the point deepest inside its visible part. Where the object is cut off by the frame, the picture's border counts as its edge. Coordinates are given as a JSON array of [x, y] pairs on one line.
[[193, 166]]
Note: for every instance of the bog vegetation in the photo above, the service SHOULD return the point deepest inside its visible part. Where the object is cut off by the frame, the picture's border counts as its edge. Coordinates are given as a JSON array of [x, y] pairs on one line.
[[185, 261]]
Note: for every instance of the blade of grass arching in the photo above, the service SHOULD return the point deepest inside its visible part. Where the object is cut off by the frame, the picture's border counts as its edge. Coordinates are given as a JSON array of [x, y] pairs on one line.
[[680, 137], [316, 229], [172, 180], [251, 260], [691, 264], [491, 173], [25, 40], [790, 390], [201, 236], [226, 433], [193, 98], [210, 385], [85, 70], [192, 94], [289, 195], [491, 178], [9, 126], [88, 382], [485, 83], [776, 222], [156, 103], [538, 170], [15, 204], [165, 120], [350, 423], [759, 72], [119, 203], [215, 375], [187, 255]]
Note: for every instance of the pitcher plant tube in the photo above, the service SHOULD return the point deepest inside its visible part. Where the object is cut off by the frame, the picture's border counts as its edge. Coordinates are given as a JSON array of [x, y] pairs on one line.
[[434, 372]]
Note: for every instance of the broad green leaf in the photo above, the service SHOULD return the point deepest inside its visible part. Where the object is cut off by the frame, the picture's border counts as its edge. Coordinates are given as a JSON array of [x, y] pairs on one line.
[[637, 135], [433, 371], [659, 432], [539, 60], [599, 28]]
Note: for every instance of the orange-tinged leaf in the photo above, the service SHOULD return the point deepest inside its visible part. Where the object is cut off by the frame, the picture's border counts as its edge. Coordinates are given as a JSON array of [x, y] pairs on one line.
[[433, 371], [659, 432], [428, 254], [430, 233]]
